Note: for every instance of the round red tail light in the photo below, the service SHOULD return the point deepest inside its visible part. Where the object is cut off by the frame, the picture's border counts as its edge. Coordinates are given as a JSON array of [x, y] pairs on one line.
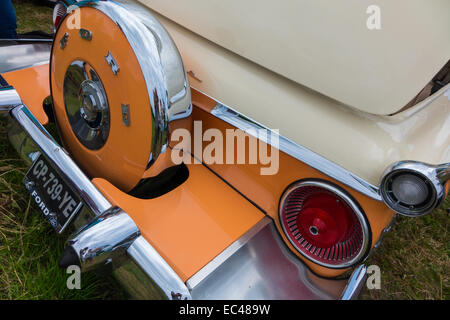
[[324, 224]]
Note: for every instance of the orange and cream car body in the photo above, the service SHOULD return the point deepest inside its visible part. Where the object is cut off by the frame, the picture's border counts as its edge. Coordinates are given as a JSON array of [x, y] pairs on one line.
[[350, 126]]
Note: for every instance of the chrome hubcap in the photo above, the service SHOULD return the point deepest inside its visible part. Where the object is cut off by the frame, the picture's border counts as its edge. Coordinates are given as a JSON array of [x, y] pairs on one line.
[[86, 105]]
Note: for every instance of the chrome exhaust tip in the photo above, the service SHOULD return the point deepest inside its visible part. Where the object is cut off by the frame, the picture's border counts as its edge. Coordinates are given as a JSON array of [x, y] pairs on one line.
[[414, 188]]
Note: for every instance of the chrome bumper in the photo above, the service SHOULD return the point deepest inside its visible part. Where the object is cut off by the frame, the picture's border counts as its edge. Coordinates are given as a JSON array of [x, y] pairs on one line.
[[256, 266], [29, 138], [8, 98]]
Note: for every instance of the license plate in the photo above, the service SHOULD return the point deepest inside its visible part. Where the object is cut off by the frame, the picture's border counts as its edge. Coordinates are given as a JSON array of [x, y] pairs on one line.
[[54, 198]]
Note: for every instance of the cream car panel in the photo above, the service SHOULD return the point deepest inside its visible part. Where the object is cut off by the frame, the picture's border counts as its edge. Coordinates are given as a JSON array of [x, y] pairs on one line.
[[326, 45], [364, 144]]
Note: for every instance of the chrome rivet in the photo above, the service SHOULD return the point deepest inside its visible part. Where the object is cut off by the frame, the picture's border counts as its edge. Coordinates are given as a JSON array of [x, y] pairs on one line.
[[126, 114], [63, 41], [112, 62], [86, 34]]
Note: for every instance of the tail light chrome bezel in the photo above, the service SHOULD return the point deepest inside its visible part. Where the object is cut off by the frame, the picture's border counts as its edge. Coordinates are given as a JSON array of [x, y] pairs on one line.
[[358, 212], [59, 11]]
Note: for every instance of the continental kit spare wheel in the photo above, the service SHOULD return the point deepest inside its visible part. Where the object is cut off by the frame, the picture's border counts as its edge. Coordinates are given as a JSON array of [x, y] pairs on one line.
[[117, 80]]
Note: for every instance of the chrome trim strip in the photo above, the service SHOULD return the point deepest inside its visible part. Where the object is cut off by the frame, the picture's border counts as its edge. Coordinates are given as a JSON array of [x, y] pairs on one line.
[[297, 151], [365, 247], [158, 270], [66, 167], [9, 98], [226, 254], [355, 283]]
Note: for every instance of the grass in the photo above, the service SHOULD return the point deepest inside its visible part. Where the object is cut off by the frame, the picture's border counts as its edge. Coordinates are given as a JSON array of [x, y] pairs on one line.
[[414, 257], [32, 17], [29, 248]]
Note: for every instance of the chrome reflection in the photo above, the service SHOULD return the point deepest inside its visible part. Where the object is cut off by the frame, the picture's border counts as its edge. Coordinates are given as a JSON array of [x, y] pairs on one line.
[[260, 266], [63, 41], [86, 105], [9, 98], [355, 283], [430, 179], [158, 270], [86, 34], [104, 241], [112, 63]]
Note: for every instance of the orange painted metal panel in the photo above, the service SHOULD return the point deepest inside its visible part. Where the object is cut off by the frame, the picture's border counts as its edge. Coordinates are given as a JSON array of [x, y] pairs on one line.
[[191, 224], [33, 87]]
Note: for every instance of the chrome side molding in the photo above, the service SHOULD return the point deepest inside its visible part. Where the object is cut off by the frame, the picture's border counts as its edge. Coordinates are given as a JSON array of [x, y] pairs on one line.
[[299, 152]]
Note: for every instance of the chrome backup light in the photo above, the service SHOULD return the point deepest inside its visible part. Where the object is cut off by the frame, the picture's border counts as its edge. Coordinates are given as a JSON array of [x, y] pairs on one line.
[[413, 188]]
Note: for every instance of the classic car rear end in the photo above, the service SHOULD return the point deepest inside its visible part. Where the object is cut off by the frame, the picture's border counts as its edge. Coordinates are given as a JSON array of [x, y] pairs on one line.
[[142, 175]]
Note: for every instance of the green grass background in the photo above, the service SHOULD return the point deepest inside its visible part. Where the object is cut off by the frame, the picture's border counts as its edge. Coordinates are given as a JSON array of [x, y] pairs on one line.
[[414, 258]]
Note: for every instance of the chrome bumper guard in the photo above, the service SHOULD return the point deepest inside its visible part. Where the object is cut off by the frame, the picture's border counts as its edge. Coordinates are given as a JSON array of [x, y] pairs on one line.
[[257, 266]]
